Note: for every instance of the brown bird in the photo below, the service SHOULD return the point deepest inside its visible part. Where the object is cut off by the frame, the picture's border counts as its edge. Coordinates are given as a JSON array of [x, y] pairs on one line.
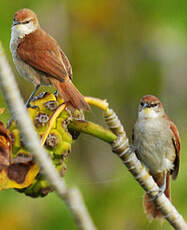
[[38, 57], [157, 144]]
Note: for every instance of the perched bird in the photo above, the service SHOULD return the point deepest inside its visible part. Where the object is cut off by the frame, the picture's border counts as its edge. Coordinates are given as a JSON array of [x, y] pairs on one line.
[[157, 143], [39, 58]]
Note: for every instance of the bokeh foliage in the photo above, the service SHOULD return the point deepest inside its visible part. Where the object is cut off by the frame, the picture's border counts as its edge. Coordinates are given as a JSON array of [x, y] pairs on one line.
[[119, 50]]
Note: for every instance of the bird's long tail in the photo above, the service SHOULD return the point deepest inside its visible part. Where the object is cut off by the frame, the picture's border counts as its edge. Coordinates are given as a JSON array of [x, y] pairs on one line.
[[70, 94], [149, 207]]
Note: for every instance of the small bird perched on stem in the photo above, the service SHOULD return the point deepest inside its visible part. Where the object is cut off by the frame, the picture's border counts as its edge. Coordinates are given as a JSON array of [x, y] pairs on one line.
[[157, 143], [38, 57]]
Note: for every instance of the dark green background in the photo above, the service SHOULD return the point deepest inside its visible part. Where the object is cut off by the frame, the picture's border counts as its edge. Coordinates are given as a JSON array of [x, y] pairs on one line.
[[119, 50]]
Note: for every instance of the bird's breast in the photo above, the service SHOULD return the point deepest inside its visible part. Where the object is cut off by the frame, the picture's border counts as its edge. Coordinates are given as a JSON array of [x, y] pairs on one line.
[[25, 70], [153, 140]]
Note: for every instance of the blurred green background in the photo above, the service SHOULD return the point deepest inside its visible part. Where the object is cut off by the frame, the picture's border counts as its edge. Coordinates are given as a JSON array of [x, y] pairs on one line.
[[119, 50]]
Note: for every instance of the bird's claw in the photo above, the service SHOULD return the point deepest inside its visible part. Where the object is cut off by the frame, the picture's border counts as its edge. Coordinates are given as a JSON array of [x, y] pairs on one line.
[[31, 106], [133, 148], [56, 93], [160, 191]]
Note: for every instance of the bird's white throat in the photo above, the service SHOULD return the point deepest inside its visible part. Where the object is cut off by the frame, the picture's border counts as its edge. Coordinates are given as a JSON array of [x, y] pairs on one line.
[[148, 113], [20, 30]]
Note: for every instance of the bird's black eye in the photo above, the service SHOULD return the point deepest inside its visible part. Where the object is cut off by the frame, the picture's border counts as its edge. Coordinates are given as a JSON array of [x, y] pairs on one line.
[[25, 22], [154, 105], [142, 103]]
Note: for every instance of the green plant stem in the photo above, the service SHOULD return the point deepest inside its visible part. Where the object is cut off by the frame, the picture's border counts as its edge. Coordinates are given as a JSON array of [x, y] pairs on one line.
[[93, 129]]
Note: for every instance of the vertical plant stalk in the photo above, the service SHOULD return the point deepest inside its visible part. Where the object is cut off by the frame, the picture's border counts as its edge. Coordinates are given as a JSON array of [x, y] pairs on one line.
[[72, 198], [126, 153]]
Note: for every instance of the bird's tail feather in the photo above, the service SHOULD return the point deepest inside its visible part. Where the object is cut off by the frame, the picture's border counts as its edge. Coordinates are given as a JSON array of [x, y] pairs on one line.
[[70, 94]]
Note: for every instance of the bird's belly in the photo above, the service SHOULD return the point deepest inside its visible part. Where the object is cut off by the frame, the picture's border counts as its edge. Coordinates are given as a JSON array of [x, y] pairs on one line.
[[31, 74], [154, 148]]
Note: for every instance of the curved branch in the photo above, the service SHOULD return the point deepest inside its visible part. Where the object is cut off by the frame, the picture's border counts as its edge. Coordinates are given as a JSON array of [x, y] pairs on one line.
[[122, 148], [15, 103], [93, 129]]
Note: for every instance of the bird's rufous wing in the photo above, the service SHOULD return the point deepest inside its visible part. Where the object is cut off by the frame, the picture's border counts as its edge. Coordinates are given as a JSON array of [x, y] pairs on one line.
[[42, 52], [67, 64], [176, 143]]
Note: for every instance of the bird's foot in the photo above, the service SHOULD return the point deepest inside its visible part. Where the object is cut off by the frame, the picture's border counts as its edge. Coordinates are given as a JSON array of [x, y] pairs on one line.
[[31, 106], [162, 189], [56, 93], [133, 148], [160, 192]]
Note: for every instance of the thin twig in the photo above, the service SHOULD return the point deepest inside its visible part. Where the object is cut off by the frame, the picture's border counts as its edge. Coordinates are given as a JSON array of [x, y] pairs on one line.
[[32, 142], [126, 153]]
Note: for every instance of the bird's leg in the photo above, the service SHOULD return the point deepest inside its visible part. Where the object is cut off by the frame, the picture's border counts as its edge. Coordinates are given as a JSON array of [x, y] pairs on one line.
[[56, 93], [31, 96], [162, 188], [133, 148], [27, 103]]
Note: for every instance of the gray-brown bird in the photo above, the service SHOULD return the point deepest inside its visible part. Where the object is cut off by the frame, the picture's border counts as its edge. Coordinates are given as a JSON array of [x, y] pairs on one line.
[[157, 144]]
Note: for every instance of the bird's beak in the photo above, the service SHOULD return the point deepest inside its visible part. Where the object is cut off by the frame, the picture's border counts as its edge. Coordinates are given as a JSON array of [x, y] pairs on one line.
[[15, 23], [145, 105], [146, 108]]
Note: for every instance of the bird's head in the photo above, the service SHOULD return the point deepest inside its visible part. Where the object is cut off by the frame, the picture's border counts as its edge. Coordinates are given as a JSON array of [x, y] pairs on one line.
[[150, 107], [24, 22]]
